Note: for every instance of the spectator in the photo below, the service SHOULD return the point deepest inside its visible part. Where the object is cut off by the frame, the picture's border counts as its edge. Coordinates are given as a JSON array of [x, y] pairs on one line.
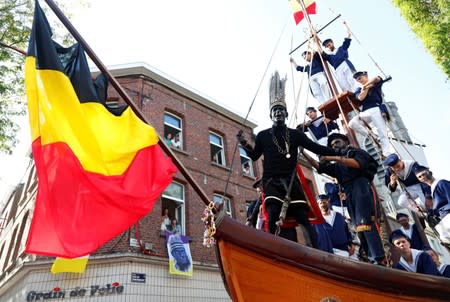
[[165, 219], [174, 227], [412, 260], [246, 169], [176, 141], [168, 139]]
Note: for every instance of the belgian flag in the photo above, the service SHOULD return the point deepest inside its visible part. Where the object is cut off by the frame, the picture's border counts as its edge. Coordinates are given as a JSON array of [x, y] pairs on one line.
[[98, 171]]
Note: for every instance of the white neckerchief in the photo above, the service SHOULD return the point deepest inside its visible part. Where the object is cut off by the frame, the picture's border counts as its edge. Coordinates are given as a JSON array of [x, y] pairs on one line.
[[403, 174], [441, 268], [433, 186], [407, 232], [411, 267], [330, 218]]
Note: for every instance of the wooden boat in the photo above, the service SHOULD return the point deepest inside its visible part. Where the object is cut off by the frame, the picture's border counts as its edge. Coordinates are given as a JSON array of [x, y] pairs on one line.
[[258, 266]]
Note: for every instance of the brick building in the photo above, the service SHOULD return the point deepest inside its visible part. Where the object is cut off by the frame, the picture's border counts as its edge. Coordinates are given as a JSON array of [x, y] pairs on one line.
[[202, 134], [206, 133]]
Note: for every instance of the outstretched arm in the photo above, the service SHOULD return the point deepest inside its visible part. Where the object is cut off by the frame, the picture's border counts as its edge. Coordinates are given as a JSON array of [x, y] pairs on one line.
[[253, 153], [311, 160], [314, 147], [348, 162]]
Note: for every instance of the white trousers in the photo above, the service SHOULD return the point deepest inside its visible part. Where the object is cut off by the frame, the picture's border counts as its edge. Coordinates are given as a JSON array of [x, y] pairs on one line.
[[372, 115], [344, 77], [443, 228], [319, 87], [415, 191]]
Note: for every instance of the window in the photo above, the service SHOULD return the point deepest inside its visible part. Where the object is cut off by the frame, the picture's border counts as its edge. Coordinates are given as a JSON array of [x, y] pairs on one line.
[[173, 132], [246, 163], [226, 203], [173, 200], [217, 152]]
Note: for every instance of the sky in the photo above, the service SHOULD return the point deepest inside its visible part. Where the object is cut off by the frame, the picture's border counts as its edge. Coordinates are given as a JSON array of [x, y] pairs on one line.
[[222, 49]]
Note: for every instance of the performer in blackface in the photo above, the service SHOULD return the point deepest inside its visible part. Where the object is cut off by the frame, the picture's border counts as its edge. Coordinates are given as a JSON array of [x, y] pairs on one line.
[[279, 145]]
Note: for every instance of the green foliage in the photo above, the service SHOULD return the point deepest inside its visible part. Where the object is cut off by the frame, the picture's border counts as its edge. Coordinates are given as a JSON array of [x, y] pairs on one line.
[[429, 20], [15, 23], [16, 17]]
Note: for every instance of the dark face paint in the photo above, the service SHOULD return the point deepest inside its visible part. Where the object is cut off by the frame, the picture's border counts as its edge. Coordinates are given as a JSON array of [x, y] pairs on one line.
[[278, 115]]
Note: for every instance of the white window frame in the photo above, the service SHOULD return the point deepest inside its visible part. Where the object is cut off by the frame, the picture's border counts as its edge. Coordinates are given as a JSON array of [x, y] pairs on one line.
[[245, 159], [175, 129], [218, 198], [221, 153], [180, 209]]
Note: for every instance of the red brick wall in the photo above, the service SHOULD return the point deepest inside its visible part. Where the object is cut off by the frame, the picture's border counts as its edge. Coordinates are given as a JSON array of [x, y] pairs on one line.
[[198, 120]]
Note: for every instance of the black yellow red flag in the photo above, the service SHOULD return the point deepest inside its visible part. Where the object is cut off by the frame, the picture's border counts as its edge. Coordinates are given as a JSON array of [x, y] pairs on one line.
[[98, 172]]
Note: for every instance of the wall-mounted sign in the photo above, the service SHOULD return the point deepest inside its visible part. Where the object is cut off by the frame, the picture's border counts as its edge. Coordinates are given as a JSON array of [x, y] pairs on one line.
[[59, 293], [136, 277]]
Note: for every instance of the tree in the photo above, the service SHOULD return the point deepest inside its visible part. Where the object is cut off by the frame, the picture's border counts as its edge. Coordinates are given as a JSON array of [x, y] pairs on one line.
[[429, 20], [16, 18], [15, 22]]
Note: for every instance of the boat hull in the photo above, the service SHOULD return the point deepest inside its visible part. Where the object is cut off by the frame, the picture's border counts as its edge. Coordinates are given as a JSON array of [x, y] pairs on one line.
[[257, 266]]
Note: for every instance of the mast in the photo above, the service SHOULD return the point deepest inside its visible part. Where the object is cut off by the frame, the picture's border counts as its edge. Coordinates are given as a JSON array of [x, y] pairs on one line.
[[330, 80]]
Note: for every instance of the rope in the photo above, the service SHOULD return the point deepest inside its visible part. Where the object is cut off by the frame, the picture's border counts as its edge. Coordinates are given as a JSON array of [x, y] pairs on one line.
[[251, 106]]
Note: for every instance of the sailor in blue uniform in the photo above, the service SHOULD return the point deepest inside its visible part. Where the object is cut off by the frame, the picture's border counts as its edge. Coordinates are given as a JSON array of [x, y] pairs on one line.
[[440, 191], [338, 200], [371, 96], [317, 80], [444, 269], [333, 235], [403, 171], [411, 231], [412, 260], [339, 60], [319, 127], [354, 172]]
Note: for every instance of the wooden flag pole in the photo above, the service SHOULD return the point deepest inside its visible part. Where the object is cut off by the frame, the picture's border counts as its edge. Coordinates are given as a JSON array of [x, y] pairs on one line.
[[121, 91]]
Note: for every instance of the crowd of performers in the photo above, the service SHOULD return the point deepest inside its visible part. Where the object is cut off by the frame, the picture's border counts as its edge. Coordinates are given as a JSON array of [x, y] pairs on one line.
[[348, 207]]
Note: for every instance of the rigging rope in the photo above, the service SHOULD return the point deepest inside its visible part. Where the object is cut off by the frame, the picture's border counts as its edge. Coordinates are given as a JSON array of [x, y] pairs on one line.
[[251, 106]]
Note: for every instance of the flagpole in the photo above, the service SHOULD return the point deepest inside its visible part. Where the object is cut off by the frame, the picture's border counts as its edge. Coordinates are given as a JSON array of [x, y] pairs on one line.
[[206, 200], [322, 28]]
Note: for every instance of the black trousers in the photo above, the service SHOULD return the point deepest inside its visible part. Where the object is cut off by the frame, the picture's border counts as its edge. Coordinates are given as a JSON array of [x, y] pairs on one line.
[[277, 187]]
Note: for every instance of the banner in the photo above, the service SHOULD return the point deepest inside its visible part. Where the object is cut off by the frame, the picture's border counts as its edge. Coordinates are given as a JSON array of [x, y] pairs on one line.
[[180, 260]]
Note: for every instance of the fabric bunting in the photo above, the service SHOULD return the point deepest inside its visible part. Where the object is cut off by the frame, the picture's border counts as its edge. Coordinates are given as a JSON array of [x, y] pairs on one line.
[[63, 265], [310, 6], [99, 171]]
